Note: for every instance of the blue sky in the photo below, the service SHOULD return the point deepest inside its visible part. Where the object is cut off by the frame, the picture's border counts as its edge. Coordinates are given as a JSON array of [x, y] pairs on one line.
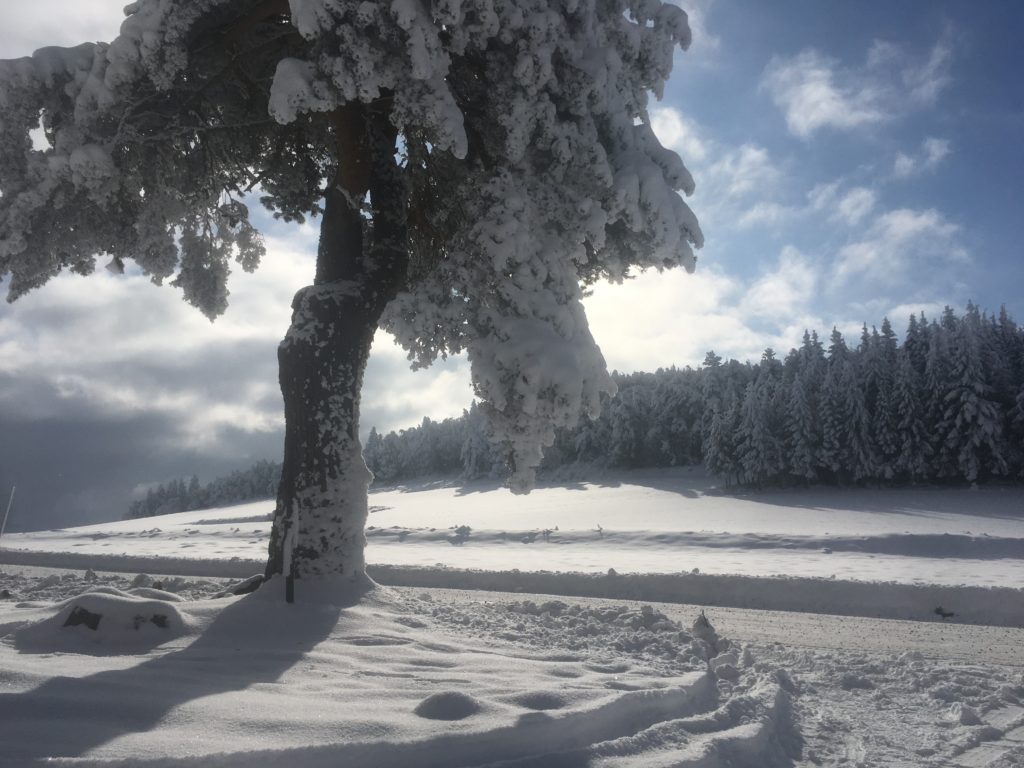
[[913, 107], [852, 161]]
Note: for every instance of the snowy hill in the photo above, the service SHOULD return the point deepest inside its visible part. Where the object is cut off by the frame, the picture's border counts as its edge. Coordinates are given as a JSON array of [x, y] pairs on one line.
[[109, 666], [823, 550]]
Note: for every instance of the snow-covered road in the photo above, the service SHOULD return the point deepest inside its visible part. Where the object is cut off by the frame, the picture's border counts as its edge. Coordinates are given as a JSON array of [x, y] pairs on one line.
[[933, 640], [821, 689]]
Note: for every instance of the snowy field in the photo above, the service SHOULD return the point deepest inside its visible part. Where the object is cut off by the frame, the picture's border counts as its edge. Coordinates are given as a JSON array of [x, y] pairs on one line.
[[820, 550], [421, 675]]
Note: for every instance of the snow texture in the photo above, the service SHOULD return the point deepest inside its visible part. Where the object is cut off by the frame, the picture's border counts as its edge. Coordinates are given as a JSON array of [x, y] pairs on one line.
[[358, 674], [669, 535], [438, 678]]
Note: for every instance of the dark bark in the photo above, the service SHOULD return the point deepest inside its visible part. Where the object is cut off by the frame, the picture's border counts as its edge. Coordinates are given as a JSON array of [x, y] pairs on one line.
[[322, 504]]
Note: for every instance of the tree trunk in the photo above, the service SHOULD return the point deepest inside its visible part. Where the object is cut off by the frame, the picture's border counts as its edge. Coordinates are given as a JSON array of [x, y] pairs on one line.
[[322, 500]]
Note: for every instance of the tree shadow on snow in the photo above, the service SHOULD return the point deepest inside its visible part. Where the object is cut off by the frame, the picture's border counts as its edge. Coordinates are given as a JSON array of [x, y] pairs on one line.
[[250, 641], [1003, 502], [995, 500]]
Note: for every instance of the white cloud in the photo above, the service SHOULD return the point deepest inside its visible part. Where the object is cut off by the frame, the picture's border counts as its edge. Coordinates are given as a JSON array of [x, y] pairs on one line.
[[926, 80], [815, 91], [808, 90], [903, 166], [119, 345], [679, 133], [741, 171], [28, 26], [672, 318], [765, 214], [898, 240], [935, 151], [396, 397], [823, 195], [930, 156], [739, 184], [855, 205], [704, 45], [849, 206], [785, 290], [660, 319]]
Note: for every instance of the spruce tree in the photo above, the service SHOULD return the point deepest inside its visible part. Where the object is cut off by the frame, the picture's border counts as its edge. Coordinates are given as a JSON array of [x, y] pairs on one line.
[[802, 438], [973, 421], [912, 457], [758, 447], [835, 423], [936, 386]]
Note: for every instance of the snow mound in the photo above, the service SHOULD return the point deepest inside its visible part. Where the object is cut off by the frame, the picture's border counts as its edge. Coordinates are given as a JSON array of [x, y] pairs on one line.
[[449, 705], [104, 621]]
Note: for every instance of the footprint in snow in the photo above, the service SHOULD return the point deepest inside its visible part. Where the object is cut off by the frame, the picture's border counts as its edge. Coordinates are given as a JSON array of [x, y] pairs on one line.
[[449, 705], [539, 700], [432, 663], [376, 640], [565, 673]]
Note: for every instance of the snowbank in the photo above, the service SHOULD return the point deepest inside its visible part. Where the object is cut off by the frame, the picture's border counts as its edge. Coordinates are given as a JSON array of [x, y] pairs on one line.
[[971, 605]]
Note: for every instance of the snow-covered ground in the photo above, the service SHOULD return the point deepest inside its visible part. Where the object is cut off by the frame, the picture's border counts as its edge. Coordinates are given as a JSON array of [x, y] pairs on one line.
[[427, 676], [822, 550]]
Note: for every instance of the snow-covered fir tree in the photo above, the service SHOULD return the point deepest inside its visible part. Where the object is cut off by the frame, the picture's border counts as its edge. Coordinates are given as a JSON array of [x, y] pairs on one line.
[[472, 165], [817, 416], [758, 447], [802, 436], [973, 422], [914, 449]]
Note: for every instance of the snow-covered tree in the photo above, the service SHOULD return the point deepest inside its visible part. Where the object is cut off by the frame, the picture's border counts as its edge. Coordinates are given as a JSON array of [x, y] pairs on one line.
[[973, 420], [472, 164], [936, 385], [758, 447], [835, 426], [914, 449], [859, 450], [720, 448], [1016, 432], [802, 439]]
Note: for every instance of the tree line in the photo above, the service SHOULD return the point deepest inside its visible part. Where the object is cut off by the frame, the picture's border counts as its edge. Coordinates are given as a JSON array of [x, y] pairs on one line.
[[945, 405], [257, 482]]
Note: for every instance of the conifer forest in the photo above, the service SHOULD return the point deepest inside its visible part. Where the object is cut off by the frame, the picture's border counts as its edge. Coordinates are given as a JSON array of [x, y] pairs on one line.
[[944, 405]]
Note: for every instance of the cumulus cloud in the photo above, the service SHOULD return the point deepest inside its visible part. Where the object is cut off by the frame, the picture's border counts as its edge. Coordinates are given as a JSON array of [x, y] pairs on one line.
[[735, 184], [783, 291], [854, 205], [815, 91], [672, 318], [823, 195], [113, 366], [726, 173], [741, 171], [705, 44], [681, 134], [657, 319], [922, 79], [28, 26], [766, 214], [849, 206], [897, 241], [929, 157]]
